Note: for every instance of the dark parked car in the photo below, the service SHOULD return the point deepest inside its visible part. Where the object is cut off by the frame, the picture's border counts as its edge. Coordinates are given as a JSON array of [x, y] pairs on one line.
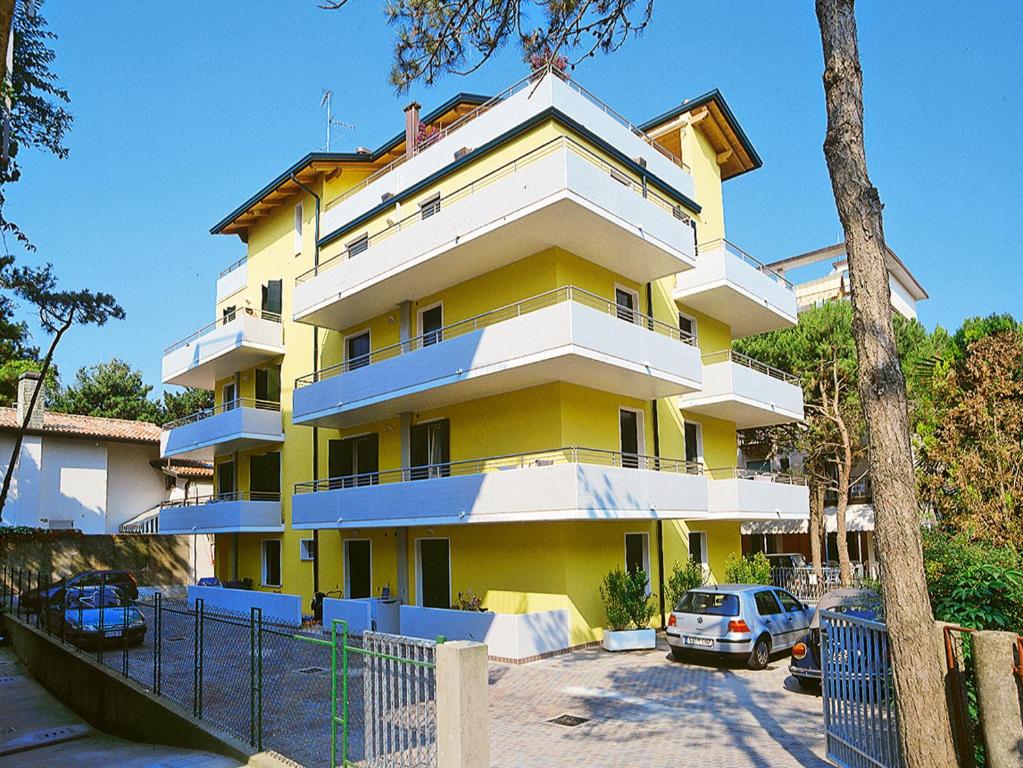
[[89, 615], [32, 598], [806, 653]]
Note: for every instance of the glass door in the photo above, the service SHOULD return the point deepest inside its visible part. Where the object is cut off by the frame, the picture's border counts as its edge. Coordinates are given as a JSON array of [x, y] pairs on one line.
[[431, 450]]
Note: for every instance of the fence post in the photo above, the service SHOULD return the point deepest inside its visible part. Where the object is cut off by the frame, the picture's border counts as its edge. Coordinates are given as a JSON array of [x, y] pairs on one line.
[[256, 678], [998, 696], [157, 641], [197, 659], [19, 594], [463, 720]]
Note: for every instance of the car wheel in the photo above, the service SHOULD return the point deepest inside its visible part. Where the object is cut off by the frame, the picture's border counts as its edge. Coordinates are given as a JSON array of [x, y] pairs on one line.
[[761, 653], [808, 684], [678, 654]]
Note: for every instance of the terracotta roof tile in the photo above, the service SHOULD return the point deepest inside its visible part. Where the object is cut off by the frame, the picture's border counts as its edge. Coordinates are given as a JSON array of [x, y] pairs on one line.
[[74, 425]]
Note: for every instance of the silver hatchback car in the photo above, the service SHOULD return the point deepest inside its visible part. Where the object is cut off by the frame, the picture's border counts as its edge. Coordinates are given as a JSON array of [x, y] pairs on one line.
[[746, 620]]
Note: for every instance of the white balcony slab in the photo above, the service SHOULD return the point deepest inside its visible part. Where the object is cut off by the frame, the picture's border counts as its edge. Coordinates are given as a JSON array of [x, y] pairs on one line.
[[750, 398], [557, 492], [520, 107], [232, 281], [236, 516], [568, 342], [224, 349], [560, 199], [237, 429], [728, 288], [737, 498]]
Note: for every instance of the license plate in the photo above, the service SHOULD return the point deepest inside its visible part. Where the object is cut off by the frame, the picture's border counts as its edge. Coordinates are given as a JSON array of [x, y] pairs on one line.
[[703, 642], [113, 633]]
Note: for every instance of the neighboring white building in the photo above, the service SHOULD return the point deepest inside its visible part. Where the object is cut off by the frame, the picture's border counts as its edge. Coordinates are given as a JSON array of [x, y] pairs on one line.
[[906, 290], [88, 473]]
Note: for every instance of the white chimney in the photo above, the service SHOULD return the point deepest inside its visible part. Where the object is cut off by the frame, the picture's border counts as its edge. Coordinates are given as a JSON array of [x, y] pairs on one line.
[[27, 384]]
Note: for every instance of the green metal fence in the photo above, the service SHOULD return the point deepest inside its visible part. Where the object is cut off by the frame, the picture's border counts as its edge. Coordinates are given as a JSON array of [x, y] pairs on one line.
[[341, 700]]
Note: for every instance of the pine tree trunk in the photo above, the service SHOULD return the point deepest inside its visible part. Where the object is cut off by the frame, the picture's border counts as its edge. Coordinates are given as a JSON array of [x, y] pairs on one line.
[[923, 721], [817, 530]]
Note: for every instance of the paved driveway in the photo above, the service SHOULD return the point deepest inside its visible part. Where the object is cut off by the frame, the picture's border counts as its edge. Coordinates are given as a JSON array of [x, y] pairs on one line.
[[646, 710]]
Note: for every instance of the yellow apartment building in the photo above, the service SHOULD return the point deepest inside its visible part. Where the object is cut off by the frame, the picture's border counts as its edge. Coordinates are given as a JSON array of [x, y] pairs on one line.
[[490, 356]]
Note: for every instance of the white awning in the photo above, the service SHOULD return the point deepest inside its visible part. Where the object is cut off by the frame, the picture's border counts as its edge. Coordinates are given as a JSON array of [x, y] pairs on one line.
[[858, 517]]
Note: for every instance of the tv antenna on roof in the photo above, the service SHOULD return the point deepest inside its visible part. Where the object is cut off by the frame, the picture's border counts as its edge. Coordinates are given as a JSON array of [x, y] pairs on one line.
[[331, 120]]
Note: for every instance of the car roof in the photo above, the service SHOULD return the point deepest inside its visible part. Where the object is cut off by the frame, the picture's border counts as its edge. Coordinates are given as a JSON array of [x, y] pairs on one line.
[[732, 588]]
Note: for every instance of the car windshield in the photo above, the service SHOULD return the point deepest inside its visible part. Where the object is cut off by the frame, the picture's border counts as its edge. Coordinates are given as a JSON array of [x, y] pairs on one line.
[[709, 604], [86, 599]]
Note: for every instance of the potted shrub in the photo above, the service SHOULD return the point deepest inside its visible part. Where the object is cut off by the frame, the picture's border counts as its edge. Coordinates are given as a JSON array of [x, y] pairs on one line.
[[629, 609]]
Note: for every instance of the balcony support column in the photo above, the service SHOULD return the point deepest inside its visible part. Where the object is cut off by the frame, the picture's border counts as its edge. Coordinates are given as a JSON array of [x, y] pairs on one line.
[[401, 534]]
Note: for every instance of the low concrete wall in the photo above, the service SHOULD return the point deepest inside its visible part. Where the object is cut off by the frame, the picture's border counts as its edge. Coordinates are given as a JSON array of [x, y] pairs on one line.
[[286, 609], [999, 693], [512, 636], [110, 702], [362, 614]]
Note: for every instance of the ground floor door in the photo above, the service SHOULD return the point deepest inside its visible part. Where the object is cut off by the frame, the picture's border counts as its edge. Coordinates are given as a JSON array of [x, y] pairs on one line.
[[358, 569], [434, 561]]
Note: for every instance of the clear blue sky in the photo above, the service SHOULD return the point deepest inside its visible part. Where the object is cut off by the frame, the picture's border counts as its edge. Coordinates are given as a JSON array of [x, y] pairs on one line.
[[184, 110]]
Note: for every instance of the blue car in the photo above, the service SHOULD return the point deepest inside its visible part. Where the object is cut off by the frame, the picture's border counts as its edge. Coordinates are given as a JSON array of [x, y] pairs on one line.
[[93, 615], [805, 666]]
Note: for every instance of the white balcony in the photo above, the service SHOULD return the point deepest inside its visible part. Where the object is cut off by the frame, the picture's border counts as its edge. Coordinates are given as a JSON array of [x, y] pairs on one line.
[[220, 349], [227, 513], [565, 335], [559, 194], [730, 285], [740, 389], [564, 484], [524, 101], [236, 426], [232, 279], [738, 494]]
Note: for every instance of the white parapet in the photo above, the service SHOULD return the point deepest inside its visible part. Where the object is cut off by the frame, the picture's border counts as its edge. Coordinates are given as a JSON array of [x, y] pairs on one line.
[[222, 430], [231, 344], [234, 513]]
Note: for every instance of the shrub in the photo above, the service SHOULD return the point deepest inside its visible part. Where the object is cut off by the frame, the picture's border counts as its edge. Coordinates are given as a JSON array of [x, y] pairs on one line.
[[752, 569], [468, 601], [973, 584], [684, 576], [626, 600]]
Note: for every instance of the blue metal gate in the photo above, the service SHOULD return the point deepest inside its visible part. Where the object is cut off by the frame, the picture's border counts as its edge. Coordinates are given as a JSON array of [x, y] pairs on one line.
[[860, 714]]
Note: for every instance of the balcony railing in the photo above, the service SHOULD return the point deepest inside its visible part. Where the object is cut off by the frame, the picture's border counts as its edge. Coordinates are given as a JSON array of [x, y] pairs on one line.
[[738, 252], [206, 413], [519, 308], [568, 455], [740, 473], [273, 317], [240, 263], [533, 77], [748, 362], [219, 498], [560, 143]]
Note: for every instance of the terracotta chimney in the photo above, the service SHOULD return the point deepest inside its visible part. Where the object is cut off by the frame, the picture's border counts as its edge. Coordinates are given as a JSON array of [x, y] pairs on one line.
[[411, 128], [27, 384]]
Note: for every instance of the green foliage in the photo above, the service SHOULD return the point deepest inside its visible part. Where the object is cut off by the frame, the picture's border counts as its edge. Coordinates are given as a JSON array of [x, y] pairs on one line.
[[684, 576], [468, 601], [973, 584], [626, 600], [10, 370], [752, 569], [177, 405], [111, 390]]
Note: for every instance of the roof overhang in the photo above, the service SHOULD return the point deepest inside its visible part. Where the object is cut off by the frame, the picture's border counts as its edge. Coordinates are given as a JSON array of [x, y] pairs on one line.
[[896, 267]]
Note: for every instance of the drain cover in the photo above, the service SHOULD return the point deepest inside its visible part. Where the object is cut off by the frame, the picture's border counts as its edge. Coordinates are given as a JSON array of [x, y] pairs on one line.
[[570, 721]]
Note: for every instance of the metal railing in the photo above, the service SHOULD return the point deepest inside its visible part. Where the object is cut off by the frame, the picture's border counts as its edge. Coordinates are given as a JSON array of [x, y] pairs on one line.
[[537, 153], [432, 137], [230, 317], [741, 473], [532, 459], [738, 252], [804, 583], [499, 315], [748, 362], [219, 498], [230, 405], [241, 262]]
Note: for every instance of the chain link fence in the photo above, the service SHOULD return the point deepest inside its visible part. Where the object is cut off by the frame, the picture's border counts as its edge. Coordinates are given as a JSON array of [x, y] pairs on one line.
[[337, 699]]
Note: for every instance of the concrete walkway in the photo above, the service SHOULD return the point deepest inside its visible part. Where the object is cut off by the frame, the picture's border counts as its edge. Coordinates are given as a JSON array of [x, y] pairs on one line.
[[37, 730]]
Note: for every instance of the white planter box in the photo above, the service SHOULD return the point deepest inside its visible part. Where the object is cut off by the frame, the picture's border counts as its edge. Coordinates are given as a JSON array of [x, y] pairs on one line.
[[629, 640]]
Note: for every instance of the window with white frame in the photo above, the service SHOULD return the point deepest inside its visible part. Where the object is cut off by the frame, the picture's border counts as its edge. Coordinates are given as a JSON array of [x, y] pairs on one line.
[[298, 229], [428, 208], [357, 246], [637, 554], [687, 324], [272, 563], [698, 548], [307, 549]]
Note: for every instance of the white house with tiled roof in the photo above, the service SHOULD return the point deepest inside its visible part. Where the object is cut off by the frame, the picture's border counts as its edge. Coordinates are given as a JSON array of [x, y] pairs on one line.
[[88, 473]]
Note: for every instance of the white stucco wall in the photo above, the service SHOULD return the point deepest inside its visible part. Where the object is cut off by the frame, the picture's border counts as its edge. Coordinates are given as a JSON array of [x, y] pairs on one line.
[[902, 301], [23, 499], [132, 484], [74, 484]]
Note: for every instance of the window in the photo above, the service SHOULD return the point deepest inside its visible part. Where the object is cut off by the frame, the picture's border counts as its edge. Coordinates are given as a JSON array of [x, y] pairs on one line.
[[687, 325], [357, 350], [272, 563], [268, 387], [627, 302], [265, 477], [229, 313], [767, 603], [298, 229], [637, 554], [358, 565], [307, 549], [694, 442], [271, 299], [429, 207], [357, 246], [433, 577], [630, 435], [758, 465], [708, 604], [698, 547], [788, 602], [353, 461], [225, 479], [785, 463], [228, 396], [430, 444], [431, 320]]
